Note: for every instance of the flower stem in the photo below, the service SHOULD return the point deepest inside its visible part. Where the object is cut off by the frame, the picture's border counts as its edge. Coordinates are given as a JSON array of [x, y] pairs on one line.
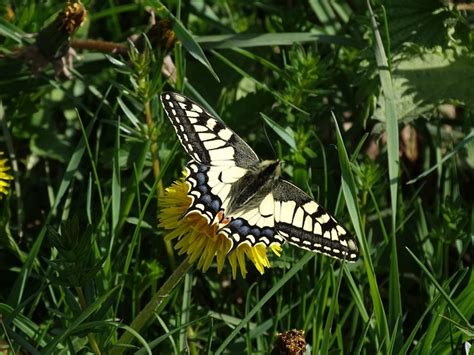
[[99, 46], [90, 336], [148, 312], [156, 173], [153, 147]]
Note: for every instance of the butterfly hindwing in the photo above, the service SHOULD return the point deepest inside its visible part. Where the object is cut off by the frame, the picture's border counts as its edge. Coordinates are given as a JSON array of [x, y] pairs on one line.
[[207, 140], [254, 225], [209, 189], [304, 223]]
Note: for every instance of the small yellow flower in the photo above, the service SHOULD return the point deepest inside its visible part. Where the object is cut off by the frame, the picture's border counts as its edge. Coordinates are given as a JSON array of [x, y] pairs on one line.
[[201, 241], [4, 177]]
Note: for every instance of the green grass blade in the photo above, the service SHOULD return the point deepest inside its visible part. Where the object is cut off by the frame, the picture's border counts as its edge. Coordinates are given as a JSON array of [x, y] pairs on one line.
[[332, 309], [185, 311], [150, 196], [357, 296], [395, 302], [286, 134], [247, 40], [350, 195], [167, 331], [130, 115], [258, 83], [154, 343], [448, 156], [440, 289], [9, 30], [20, 322], [116, 181]]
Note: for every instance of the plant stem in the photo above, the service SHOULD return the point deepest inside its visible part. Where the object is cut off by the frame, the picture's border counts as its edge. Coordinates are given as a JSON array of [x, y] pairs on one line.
[[149, 311], [156, 172], [99, 46], [153, 147], [90, 336]]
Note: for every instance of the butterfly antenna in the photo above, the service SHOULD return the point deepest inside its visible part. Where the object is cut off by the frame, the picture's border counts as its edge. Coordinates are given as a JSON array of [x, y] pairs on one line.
[[269, 142]]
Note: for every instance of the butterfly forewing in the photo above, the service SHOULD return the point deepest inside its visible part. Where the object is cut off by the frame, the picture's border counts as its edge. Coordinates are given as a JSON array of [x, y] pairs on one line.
[[304, 223], [207, 140]]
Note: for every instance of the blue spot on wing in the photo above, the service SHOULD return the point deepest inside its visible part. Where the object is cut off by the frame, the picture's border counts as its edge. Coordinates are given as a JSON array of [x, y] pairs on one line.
[[212, 203], [242, 228]]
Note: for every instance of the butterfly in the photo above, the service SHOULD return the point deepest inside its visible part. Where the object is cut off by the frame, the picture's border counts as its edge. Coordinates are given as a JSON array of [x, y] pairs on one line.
[[229, 185]]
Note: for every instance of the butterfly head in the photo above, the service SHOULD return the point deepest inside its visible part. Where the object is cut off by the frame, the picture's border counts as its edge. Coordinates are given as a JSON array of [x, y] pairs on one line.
[[271, 169]]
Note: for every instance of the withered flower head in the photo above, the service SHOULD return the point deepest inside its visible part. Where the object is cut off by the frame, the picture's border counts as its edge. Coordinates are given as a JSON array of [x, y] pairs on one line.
[[73, 15], [291, 342], [162, 35]]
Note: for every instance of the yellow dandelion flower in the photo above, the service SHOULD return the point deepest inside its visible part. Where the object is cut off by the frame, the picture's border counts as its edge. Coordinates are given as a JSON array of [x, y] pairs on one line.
[[204, 242], [4, 177]]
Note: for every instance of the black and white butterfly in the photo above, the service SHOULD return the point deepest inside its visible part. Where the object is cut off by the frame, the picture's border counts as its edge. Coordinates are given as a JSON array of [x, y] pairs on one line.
[[231, 186]]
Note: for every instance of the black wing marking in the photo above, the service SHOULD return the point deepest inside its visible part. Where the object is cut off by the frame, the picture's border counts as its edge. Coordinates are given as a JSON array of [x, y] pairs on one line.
[[304, 223], [207, 140], [203, 200]]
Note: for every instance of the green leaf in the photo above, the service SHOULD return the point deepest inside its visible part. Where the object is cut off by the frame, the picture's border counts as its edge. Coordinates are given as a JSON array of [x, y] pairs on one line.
[[350, 194], [424, 22], [286, 134], [246, 40], [395, 302], [428, 79]]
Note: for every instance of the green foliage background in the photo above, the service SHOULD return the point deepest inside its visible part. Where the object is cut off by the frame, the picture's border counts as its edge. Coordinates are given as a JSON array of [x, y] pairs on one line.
[[80, 251]]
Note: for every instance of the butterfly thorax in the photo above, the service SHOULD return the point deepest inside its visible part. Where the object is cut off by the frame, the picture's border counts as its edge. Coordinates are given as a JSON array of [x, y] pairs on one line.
[[249, 191]]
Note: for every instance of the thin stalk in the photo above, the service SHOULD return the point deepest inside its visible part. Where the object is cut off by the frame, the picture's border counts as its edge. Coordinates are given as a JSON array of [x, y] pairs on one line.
[[97, 45], [148, 312], [155, 161], [90, 336], [153, 147]]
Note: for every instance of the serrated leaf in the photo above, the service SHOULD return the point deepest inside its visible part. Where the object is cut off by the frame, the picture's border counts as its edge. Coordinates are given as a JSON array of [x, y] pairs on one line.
[[423, 82], [422, 22]]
